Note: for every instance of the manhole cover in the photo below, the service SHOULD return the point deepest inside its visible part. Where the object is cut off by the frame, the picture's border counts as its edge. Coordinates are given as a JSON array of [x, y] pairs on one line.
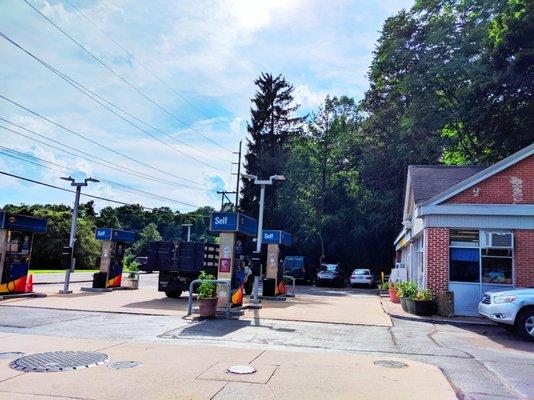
[[11, 354], [241, 369], [124, 364], [390, 364], [59, 361]]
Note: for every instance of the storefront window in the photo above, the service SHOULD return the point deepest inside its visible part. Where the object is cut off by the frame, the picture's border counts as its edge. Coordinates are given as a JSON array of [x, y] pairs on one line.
[[497, 270], [464, 265]]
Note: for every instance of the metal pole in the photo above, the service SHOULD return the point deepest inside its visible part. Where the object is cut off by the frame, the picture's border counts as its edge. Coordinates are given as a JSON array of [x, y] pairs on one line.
[[188, 233], [72, 238], [258, 244]]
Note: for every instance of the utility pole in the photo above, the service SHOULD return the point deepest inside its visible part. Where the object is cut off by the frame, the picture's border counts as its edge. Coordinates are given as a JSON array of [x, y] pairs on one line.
[[224, 196], [188, 231], [73, 225], [238, 176]]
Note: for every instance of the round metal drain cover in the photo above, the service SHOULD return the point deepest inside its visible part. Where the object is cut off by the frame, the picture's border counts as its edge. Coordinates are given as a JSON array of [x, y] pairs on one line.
[[11, 354], [124, 364], [241, 369], [59, 361], [390, 364]]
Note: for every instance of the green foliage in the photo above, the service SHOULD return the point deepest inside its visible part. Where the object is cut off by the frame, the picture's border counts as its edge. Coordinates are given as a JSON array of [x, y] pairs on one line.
[[148, 234], [130, 265], [385, 285], [407, 289], [207, 289], [422, 295]]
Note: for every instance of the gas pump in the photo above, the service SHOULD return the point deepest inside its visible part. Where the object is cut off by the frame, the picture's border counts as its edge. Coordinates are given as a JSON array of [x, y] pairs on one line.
[[16, 238], [235, 231], [274, 239], [113, 248]]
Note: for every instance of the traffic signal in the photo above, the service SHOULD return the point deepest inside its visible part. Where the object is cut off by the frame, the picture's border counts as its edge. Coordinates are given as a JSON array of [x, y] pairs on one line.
[[66, 257]]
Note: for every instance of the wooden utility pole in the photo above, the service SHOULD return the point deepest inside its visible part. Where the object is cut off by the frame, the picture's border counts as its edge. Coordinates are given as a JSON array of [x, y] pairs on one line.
[[238, 176]]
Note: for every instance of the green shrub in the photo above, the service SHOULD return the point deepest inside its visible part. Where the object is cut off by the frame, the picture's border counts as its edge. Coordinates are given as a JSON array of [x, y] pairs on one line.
[[385, 285], [408, 289], [423, 295], [207, 289], [130, 265]]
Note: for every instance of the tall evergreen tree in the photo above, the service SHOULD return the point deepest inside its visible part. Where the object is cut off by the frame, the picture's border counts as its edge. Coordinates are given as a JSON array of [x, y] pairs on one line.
[[273, 122]]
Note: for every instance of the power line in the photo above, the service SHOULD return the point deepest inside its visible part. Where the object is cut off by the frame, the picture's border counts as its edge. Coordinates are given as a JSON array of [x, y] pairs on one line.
[[70, 191], [102, 162], [94, 141], [138, 62], [148, 98], [112, 183], [89, 93]]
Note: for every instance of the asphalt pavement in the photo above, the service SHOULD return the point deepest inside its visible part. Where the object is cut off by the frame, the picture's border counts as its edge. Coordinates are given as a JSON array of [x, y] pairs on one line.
[[479, 362]]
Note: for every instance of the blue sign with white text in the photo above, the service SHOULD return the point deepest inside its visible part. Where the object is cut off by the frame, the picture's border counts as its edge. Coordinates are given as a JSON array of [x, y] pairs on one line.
[[115, 235], [276, 237], [233, 222]]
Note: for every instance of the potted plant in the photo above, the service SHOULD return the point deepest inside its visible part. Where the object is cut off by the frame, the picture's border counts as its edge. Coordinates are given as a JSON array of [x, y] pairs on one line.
[[423, 303], [131, 266], [207, 295], [406, 291], [393, 288]]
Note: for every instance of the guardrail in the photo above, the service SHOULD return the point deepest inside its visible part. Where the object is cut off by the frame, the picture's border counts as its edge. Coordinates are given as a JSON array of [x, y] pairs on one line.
[[293, 291], [225, 282]]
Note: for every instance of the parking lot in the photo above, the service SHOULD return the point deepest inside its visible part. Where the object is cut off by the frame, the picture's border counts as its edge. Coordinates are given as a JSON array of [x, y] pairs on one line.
[[320, 326]]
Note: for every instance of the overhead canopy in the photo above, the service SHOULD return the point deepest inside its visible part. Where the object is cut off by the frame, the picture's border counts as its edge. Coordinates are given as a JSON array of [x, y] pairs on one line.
[[115, 235], [276, 237], [233, 222], [23, 223]]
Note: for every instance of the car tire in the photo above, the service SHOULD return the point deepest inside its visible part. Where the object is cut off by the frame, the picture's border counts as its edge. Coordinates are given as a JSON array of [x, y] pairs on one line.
[[524, 324], [173, 294]]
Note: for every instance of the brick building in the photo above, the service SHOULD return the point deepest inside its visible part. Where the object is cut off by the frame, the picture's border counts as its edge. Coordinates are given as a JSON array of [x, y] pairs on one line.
[[469, 229]]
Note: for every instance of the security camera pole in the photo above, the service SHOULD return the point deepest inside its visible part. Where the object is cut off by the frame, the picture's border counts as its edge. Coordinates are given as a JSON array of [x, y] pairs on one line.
[[72, 238], [262, 184]]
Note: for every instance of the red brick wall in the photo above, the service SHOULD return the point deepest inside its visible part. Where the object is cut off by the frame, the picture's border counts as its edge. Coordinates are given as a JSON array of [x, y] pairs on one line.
[[524, 257], [513, 185], [437, 259]]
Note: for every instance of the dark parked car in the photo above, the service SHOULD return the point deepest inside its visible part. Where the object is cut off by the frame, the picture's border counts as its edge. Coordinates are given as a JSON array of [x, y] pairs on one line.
[[330, 274], [299, 268]]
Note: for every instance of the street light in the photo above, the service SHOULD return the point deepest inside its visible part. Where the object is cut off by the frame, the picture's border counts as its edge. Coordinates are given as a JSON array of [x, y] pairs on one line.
[[262, 183], [188, 231], [78, 186]]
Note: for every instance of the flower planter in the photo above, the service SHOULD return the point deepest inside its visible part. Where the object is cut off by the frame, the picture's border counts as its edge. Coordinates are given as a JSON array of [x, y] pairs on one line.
[[423, 307], [410, 307], [403, 303], [393, 296], [131, 283], [207, 307]]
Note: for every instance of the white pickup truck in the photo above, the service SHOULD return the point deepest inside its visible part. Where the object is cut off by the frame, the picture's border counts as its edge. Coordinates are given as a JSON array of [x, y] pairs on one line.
[[513, 308]]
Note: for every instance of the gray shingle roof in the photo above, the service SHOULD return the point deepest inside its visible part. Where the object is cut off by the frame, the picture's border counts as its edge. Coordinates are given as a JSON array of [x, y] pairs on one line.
[[430, 180]]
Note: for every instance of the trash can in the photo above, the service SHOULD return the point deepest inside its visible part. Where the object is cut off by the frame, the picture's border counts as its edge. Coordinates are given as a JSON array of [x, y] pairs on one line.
[[269, 287], [99, 280]]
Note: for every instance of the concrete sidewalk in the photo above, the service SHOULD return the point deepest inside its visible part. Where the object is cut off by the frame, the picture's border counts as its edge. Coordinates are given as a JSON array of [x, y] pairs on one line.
[[328, 308], [171, 371]]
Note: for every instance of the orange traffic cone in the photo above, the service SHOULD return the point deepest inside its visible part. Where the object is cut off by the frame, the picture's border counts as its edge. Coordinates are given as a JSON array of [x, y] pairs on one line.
[[29, 284]]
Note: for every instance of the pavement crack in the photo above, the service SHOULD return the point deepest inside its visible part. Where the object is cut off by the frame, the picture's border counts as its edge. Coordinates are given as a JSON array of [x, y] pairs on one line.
[[219, 391], [258, 356], [52, 396]]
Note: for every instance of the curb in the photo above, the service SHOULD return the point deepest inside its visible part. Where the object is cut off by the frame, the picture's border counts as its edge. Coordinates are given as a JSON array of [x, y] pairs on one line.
[[434, 320]]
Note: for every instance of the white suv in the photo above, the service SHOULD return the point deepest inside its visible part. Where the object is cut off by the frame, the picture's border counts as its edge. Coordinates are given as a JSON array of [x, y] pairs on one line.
[[514, 308]]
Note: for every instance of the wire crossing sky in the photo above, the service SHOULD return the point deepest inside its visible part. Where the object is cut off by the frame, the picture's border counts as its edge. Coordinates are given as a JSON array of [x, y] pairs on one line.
[[161, 93]]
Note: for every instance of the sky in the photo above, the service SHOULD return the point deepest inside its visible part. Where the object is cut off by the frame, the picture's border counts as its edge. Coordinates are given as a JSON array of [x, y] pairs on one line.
[[176, 78]]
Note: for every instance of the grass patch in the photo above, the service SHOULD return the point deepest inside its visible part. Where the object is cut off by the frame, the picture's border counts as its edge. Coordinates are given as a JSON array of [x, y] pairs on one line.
[[57, 271]]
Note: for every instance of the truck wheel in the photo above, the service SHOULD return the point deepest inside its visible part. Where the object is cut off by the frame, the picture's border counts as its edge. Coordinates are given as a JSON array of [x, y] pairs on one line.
[[173, 293], [524, 324]]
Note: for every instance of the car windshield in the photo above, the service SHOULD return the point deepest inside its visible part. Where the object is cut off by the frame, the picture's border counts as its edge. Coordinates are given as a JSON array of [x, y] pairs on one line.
[[329, 267], [361, 272]]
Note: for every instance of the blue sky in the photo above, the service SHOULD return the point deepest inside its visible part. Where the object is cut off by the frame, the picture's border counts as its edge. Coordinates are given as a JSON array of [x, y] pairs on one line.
[[207, 52]]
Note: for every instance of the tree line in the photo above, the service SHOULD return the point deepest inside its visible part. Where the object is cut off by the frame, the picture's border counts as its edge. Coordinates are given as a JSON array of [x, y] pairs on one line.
[[450, 83]]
